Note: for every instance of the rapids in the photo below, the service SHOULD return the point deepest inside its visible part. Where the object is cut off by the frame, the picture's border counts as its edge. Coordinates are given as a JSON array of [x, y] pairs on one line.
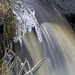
[[58, 46]]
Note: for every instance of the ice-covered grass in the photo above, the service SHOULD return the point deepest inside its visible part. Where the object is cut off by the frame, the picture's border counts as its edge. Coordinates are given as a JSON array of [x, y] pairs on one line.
[[25, 19]]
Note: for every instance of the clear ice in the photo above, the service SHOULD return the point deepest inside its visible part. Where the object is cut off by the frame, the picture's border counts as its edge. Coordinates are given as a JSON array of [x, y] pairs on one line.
[[26, 20]]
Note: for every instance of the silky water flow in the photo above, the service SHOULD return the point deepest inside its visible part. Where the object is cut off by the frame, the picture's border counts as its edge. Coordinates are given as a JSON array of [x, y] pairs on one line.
[[58, 42]]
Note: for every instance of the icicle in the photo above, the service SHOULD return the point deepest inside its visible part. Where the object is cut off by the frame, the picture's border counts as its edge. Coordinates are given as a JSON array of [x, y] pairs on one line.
[[25, 16]]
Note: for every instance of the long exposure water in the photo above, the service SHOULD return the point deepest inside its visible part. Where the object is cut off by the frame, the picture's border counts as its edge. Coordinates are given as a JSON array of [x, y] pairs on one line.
[[58, 46]]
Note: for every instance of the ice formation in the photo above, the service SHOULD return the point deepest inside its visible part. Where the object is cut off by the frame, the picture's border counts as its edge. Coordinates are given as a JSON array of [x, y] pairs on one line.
[[26, 20]]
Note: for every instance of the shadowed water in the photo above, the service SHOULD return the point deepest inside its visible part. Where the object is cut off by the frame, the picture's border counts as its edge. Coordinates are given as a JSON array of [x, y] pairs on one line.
[[58, 42]]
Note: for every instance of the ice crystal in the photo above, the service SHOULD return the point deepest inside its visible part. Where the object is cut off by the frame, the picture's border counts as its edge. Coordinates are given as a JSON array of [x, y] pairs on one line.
[[26, 20]]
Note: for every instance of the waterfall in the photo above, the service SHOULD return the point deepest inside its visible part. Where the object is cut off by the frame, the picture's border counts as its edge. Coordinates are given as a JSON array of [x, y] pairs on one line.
[[58, 42]]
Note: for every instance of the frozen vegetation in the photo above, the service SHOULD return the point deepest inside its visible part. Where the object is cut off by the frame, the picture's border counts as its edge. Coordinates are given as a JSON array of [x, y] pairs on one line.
[[26, 20]]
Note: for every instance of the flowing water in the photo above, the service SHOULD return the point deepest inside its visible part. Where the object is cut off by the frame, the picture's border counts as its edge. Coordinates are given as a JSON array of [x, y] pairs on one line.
[[58, 42]]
